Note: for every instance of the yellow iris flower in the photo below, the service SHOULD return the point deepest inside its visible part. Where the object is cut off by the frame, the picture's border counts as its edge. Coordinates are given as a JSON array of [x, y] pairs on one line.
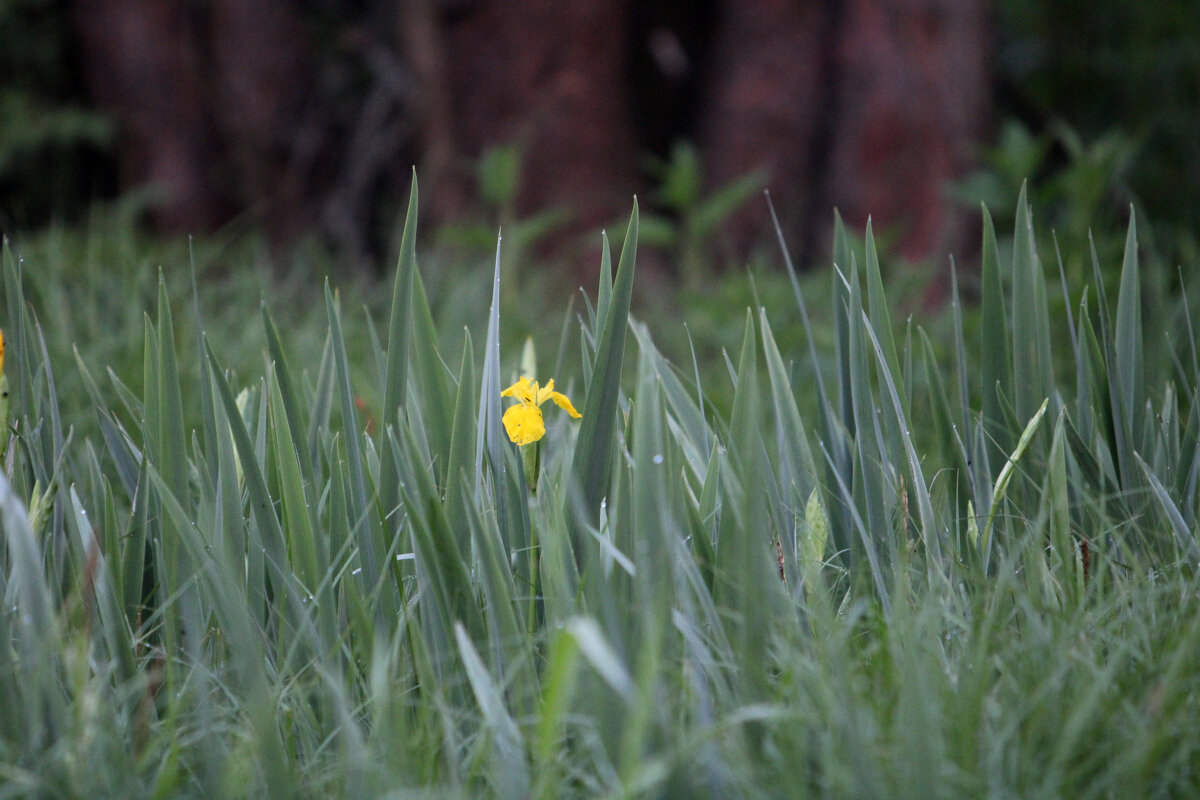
[[524, 421]]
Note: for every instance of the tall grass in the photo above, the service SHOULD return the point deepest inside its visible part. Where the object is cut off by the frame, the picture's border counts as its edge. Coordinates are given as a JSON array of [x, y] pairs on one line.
[[974, 579]]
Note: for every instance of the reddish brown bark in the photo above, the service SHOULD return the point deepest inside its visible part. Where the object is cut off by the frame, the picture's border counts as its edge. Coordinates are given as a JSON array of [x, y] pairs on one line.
[[142, 66], [912, 106], [870, 106], [867, 105], [208, 99], [422, 38], [767, 104], [549, 76], [259, 76]]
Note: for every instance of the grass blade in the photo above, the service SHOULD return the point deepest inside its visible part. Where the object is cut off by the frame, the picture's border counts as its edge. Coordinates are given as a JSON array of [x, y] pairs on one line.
[[1030, 320], [364, 521], [510, 773], [596, 445], [1128, 368], [995, 365], [395, 382]]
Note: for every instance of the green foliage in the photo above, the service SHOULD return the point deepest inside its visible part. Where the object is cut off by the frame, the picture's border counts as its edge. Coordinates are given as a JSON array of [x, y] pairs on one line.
[[92, 284], [1085, 194], [1129, 74], [498, 183], [49, 139], [851, 580], [692, 219]]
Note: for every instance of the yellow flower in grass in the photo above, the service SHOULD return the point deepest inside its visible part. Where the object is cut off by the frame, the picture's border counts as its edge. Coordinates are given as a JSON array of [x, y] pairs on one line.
[[524, 421]]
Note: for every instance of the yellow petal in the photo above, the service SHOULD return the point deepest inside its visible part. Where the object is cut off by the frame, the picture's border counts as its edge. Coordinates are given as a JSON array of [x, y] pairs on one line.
[[524, 424], [544, 393], [562, 401], [521, 390]]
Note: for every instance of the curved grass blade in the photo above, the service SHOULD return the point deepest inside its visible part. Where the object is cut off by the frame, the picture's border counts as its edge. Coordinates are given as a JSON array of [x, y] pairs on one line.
[[113, 623], [395, 380], [994, 356], [462, 442], [510, 773], [929, 532], [363, 519], [262, 505], [511, 509], [744, 581], [605, 290], [877, 304], [1185, 537], [594, 449], [288, 393], [1006, 473], [1030, 319], [430, 378], [797, 468], [1128, 367]]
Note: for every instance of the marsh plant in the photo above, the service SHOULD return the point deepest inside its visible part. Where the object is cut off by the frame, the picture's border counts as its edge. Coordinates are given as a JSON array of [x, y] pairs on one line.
[[964, 579]]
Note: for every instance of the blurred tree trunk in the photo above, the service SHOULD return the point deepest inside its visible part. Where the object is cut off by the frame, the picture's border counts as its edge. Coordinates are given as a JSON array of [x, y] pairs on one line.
[[142, 64], [260, 76], [870, 106], [209, 99], [550, 77], [867, 105]]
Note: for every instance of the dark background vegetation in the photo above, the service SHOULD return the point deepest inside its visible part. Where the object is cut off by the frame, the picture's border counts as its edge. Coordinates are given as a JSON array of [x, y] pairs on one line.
[[302, 120]]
